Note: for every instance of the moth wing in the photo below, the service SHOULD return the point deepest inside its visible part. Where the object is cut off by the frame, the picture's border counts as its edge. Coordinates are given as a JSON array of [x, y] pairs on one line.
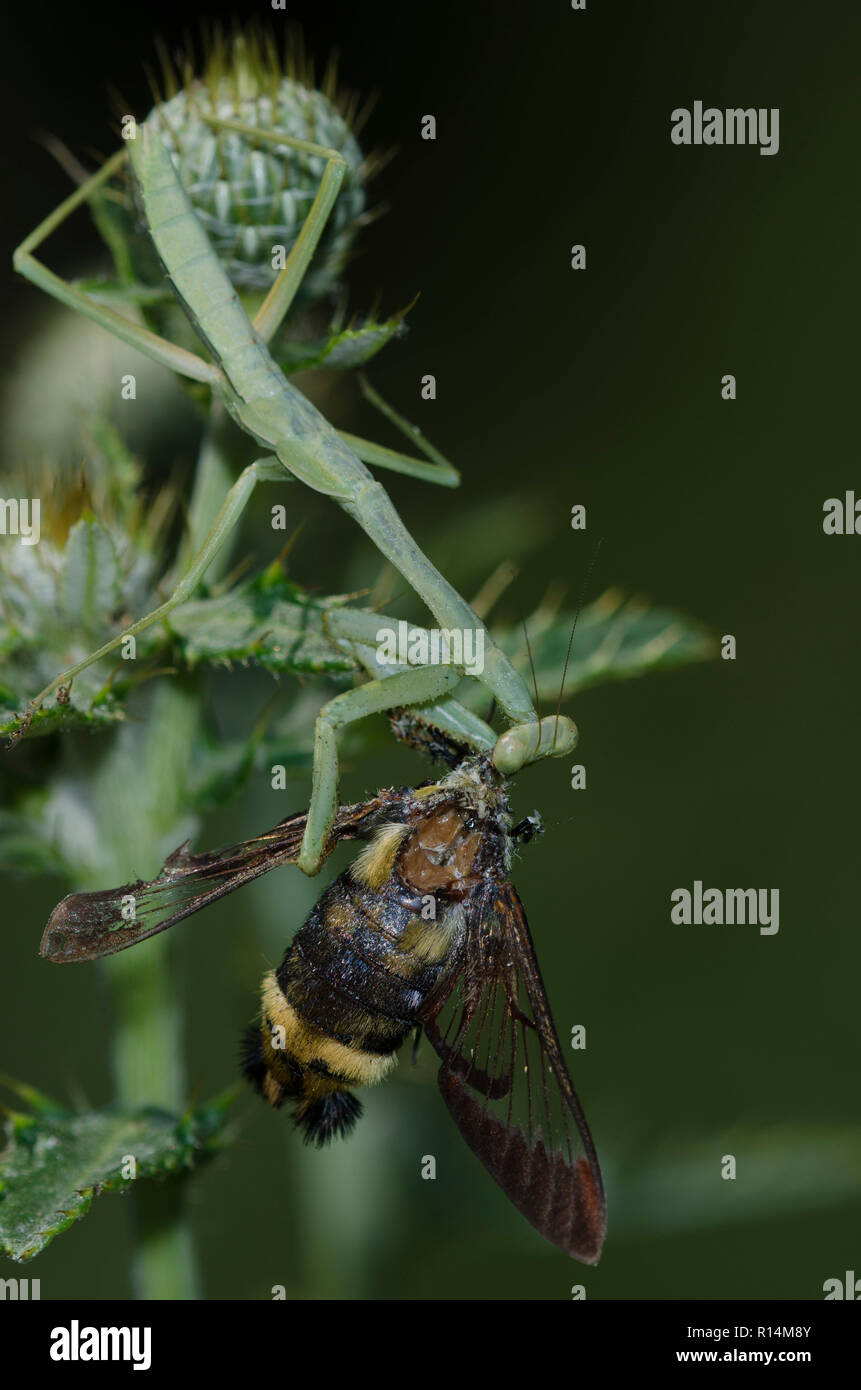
[[504, 1078], [87, 925]]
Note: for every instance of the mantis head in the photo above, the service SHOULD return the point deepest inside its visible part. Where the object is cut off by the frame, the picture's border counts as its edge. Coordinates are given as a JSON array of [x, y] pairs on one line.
[[551, 737]]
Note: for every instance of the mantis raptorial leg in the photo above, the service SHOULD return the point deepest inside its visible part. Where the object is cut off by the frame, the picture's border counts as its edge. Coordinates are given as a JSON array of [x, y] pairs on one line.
[[268, 407], [446, 714], [423, 683], [428, 687]]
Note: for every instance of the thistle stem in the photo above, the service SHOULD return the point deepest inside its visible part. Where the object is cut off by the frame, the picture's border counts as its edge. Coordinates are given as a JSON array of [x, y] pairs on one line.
[[147, 1041], [148, 1070]]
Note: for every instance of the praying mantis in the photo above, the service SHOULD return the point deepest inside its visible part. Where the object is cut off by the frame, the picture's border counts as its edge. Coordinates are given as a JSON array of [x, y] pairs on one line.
[[298, 442]]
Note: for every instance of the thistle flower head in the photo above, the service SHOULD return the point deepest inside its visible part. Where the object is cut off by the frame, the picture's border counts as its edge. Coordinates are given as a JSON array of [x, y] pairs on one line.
[[251, 193]]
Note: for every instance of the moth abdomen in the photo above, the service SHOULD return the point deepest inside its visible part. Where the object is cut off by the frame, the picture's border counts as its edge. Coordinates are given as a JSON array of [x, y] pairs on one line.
[[288, 1060], [323, 1107], [347, 993]]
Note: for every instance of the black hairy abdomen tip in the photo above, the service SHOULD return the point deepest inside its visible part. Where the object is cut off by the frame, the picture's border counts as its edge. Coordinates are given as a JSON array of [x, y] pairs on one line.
[[328, 1117]]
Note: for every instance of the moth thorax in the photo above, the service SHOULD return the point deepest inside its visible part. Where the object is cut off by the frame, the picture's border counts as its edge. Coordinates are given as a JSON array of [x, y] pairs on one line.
[[441, 854]]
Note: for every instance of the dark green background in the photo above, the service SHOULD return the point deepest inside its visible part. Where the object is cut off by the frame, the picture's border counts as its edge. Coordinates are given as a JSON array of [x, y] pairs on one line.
[[600, 387]]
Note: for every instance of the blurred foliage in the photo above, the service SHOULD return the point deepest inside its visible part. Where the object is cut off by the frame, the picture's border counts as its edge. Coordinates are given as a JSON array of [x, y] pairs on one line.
[[788, 1169], [98, 566]]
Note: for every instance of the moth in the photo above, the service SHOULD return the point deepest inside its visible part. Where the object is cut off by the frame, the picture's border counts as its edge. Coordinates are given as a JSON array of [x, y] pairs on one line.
[[424, 930]]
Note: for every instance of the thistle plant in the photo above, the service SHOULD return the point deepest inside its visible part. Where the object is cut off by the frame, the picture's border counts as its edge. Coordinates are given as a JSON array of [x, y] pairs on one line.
[[249, 198], [252, 196], [110, 552]]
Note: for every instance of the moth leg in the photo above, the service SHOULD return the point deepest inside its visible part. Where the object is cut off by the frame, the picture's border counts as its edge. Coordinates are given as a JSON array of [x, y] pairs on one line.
[[159, 349], [415, 686]]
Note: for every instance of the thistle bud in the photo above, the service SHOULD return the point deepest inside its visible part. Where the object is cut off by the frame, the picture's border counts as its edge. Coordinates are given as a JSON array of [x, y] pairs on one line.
[[251, 194]]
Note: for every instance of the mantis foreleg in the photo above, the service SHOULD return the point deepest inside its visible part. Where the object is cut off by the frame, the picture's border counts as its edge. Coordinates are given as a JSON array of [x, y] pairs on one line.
[[447, 714], [405, 688]]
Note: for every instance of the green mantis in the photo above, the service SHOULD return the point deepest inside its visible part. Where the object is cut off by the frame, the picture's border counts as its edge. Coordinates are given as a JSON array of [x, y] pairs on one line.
[[297, 442]]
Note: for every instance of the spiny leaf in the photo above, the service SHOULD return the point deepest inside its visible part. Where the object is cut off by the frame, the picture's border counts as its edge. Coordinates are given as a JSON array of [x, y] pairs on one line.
[[615, 638], [56, 1162], [267, 620], [341, 350], [58, 718], [89, 584]]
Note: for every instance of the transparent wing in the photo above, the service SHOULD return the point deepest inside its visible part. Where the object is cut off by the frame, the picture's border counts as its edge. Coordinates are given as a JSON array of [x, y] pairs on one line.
[[504, 1079], [86, 925]]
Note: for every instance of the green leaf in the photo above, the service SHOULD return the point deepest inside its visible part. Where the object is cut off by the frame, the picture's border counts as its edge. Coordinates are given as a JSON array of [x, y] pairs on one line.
[[267, 620], [56, 1162], [615, 638], [343, 349], [60, 719], [89, 585]]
